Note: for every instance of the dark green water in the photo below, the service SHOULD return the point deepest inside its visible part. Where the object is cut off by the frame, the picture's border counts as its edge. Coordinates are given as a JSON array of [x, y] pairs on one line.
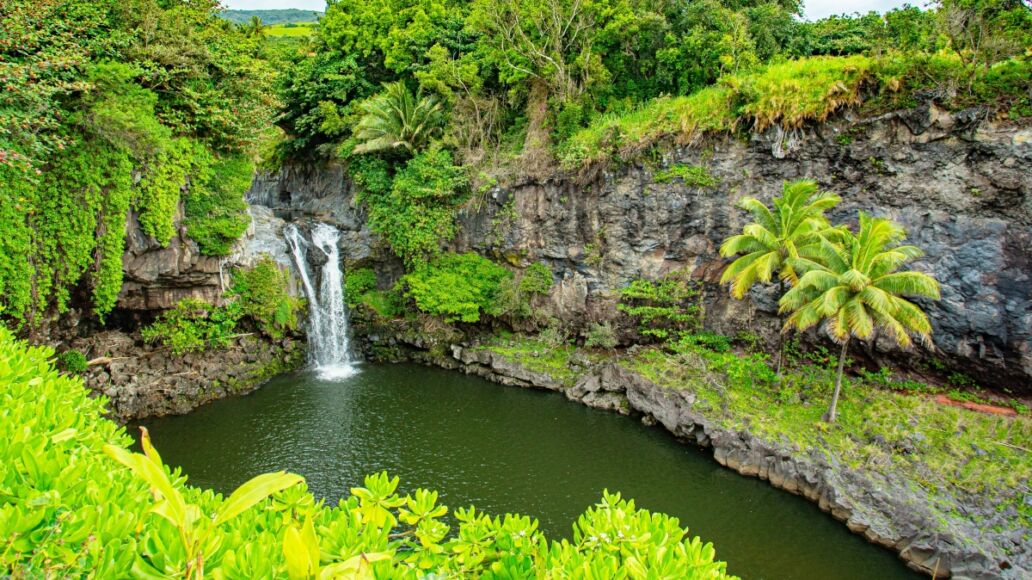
[[507, 449]]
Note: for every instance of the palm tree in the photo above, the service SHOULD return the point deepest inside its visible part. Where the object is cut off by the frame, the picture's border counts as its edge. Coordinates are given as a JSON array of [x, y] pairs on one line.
[[769, 244], [255, 27], [397, 118], [854, 287]]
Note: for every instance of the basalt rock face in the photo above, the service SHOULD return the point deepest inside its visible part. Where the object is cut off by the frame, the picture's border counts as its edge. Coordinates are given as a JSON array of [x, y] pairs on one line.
[[157, 277], [963, 192], [142, 380], [962, 187]]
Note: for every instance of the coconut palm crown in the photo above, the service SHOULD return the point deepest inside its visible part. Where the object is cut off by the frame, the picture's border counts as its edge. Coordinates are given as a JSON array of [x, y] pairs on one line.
[[770, 244], [855, 287], [397, 118]]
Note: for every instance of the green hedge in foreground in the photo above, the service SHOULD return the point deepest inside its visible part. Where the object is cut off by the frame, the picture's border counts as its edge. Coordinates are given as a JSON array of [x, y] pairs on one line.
[[67, 508]]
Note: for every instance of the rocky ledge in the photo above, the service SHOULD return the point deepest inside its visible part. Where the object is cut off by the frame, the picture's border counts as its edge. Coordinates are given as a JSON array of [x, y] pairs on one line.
[[141, 381], [885, 508]]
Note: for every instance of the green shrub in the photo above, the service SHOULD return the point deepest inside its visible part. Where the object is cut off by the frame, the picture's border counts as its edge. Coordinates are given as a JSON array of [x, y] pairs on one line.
[[85, 506], [514, 294], [691, 175], [554, 335], [417, 214], [263, 296], [72, 362], [455, 286], [708, 340], [600, 335], [536, 279], [216, 213], [194, 326], [664, 308], [357, 283]]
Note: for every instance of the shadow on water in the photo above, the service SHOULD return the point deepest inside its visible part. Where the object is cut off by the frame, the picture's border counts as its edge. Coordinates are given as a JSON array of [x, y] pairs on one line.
[[507, 449]]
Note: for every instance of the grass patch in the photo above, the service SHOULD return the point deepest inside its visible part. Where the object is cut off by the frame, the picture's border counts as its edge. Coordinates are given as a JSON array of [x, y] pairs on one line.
[[536, 355], [291, 30], [793, 93], [945, 449], [691, 175]]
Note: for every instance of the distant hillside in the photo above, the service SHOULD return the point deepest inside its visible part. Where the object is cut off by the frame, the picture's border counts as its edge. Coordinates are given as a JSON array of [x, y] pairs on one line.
[[283, 16]]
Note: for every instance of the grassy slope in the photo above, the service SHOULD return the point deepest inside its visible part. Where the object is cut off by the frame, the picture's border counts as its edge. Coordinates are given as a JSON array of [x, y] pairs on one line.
[[790, 94]]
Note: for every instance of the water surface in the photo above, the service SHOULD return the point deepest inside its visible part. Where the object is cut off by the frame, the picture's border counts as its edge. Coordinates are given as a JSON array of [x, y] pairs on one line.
[[506, 449]]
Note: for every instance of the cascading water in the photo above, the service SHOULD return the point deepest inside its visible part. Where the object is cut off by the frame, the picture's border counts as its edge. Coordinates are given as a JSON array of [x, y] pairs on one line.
[[328, 316]]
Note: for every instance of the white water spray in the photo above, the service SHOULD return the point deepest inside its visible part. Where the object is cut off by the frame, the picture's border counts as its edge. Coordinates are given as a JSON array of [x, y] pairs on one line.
[[328, 317]]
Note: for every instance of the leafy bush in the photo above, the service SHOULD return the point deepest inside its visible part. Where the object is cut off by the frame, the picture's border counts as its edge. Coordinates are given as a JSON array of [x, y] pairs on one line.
[[72, 362], [554, 335], [455, 286], [86, 506], [708, 340], [536, 279], [216, 213], [664, 308], [194, 326], [417, 214], [600, 335], [514, 294], [357, 283], [262, 295]]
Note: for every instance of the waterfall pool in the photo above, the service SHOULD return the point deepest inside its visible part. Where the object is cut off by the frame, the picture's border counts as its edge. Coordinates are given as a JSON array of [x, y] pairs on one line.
[[506, 449]]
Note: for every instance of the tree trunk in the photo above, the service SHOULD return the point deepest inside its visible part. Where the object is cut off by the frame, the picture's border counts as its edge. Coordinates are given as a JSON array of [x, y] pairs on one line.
[[833, 410], [781, 331]]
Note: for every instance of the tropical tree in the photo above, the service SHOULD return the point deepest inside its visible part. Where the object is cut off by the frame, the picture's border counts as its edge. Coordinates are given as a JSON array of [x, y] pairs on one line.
[[254, 27], [855, 288], [397, 118], [793, 229]]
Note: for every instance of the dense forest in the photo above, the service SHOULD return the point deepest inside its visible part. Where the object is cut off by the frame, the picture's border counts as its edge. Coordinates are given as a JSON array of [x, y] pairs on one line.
[[118, 106]]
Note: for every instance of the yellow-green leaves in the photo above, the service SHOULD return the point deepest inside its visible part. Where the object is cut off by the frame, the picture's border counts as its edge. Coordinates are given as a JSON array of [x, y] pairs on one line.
[[253, 492], [301, 550]]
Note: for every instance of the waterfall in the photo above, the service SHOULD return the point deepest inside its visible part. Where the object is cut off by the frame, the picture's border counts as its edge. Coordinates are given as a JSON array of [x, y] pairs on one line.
[[328, 316]]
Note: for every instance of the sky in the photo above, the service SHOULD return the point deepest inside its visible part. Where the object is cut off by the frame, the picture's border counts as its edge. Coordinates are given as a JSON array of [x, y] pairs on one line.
[[813, 9]]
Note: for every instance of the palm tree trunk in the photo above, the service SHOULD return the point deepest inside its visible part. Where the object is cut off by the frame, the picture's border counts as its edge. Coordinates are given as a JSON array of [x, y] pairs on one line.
[[781, 331], [833, 410]]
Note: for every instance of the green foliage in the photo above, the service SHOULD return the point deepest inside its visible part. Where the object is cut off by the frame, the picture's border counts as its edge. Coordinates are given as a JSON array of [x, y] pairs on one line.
[[396, 119], [158, 192], [455, 286], [194, 326], [95, 95], [261, 292], [358, 283], [691, 175], [663, 308], [536, 279], [72, 362], [513, 299], [216, 213], [85, 505], [600, 335], [855, 286], [274, 16], [417, 214], [794, 229]]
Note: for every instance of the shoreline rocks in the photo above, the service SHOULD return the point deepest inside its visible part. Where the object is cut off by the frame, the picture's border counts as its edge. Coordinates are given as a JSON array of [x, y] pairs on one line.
[[883, 507]]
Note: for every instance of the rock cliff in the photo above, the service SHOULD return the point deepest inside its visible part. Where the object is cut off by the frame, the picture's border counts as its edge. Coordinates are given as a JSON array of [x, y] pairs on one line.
[[962, 187]]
